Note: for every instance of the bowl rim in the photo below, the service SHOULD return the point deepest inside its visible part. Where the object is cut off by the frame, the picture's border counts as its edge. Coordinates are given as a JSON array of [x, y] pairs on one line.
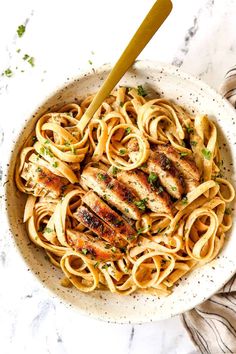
[[171, 69]]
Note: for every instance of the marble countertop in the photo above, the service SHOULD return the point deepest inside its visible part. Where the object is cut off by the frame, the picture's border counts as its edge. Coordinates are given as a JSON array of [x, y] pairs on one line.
[[63, 37]]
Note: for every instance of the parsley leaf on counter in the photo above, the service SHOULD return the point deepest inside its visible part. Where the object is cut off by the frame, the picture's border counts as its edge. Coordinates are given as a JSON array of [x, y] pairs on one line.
[[7, 73], [20, 30], [31, 61]]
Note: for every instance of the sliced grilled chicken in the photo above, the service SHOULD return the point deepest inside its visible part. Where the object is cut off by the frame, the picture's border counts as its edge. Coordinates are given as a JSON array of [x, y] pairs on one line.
[[42, 181], [168, 174], [115, 221], [99, 227], [147, 188], [184, 164], [113, 191], [158, 163], [92, 247]]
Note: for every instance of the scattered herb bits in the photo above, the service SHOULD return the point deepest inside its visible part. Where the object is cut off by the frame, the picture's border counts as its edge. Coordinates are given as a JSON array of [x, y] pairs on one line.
[[141, 204], [122, 151], [141, 91], [152, 178], [206, 153], [48, 230], [184, 201], [101, 176], [8, 73], [20, 30]]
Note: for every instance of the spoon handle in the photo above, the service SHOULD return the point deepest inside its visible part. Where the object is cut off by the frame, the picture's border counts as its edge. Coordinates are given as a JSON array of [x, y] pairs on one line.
[[154, 19]]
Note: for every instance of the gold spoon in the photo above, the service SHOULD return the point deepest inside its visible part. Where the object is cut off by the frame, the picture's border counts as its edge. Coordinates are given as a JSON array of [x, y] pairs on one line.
[[152, 22]]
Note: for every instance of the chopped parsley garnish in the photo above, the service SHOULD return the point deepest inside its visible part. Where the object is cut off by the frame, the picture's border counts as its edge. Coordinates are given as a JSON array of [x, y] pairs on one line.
[[126, 210], [121, 104], [114, 170], [48, 230], [105, 266], [84, 250], [141, 204], [26, 57], [31, 61], [18, 50], [8, 73], [174, 188], [101, 176], [42, 150], [45, 150], [184, 201], [72, 149], [206, 153], [96, 264], [38, 169], [228, 211], [182, 154], [193, 143], [127, 130], [140, 230], [48, 152], [189, 129], [55, 164], [90, 62], [20, 30], [113, 249], [122, 151], [152, 178], [141, 91], [67, 143], [46, 141], [34, 138]]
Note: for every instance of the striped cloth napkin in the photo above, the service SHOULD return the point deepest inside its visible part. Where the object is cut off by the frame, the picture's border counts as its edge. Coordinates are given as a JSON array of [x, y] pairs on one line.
[[212, 325]]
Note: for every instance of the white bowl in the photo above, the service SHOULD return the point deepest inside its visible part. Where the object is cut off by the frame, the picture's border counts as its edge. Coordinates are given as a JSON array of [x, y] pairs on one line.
[[194, 288]]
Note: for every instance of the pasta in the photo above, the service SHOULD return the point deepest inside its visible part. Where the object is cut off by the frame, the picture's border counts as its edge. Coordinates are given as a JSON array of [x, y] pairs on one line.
[[125, 139]]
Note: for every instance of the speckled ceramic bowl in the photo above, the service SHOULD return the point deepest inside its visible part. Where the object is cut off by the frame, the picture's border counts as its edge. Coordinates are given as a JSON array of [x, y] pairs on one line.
[[193, 289]]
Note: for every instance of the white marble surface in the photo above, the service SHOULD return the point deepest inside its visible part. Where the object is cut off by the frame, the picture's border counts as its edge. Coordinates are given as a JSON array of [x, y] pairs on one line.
[[64, 36]]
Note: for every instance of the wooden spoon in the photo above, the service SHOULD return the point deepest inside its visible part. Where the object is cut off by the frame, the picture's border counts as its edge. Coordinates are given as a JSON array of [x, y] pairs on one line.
[[152, 22]]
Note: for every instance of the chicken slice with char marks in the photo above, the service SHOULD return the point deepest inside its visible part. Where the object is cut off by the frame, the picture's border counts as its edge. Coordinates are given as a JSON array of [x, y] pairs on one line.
[[115, 221], [167, 173], [157, 199], [92, 247], [184, 164], [158, 163], [42, 181], [113, 191], [91, 221]]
